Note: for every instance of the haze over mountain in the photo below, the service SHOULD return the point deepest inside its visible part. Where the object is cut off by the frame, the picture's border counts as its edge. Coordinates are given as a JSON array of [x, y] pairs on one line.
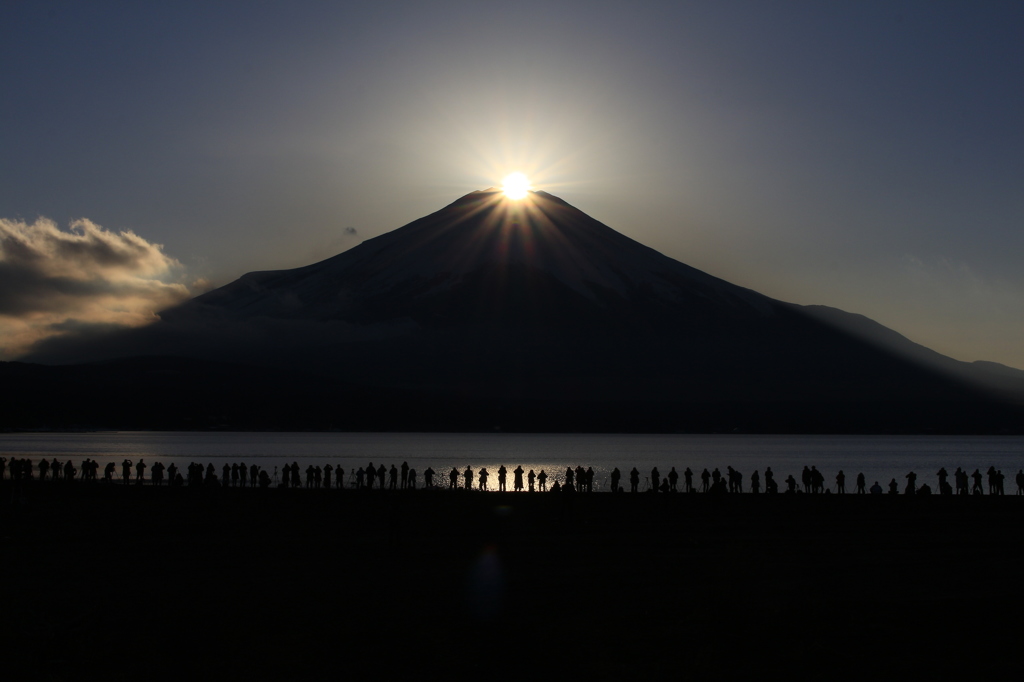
[[524, 311]]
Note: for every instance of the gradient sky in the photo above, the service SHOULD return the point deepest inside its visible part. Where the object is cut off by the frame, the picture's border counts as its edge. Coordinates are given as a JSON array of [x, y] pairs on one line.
[[867, 156]]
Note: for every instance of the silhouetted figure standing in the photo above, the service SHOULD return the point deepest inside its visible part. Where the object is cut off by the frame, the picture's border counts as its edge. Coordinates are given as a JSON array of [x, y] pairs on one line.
[[158, 473], [817, 480], [254, 472], [542, 481], [428, 478], [688, 480], [840, 482], [860, 483], [468, 477], [453, 478], [615, 479], [530, 477], [502, 476], [126, 470], [172, 473], [393, 483], [992, 490], [483, 479], [44, 467], [977, 489], [309, 476], [1020, 481], [805, 478], [140, 472], [412, 479], [296, 482], [911, 484], [589, 475], [371, 475], [634, 480], [755, 482], [943, 475], [405, 475], [339, 474], [360, 475], [894, 487], [673, 480], [655, 479], [569, 476], [770, 486], [960, 478], [517, 480]]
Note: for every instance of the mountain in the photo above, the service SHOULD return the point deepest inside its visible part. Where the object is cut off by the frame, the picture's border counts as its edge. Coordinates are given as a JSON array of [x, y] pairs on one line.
[[533, 315]]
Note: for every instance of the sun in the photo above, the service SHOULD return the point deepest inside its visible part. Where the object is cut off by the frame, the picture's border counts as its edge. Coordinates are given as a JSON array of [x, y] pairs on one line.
[[515, 185]]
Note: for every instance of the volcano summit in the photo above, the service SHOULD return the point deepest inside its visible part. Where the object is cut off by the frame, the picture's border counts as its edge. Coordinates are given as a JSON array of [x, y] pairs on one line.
[[531, 315]]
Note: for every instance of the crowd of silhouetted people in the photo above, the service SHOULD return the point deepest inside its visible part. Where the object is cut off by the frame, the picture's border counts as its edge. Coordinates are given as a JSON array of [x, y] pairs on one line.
[[572, 480]]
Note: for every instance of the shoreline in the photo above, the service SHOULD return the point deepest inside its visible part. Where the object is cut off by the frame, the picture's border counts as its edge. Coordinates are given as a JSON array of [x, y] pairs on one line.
[[288, 584]]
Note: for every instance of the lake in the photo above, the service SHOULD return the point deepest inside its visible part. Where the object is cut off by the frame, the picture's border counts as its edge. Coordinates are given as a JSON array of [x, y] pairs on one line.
[[880, 458]]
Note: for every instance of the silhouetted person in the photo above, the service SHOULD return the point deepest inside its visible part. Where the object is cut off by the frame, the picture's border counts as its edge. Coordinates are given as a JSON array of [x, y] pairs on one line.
[[254, 472], [655, 479], [318, 477], [615, 479], [412, 479], [339, 475], [589, 475], [673, 480], [791, 484], [69, 471], [960, 478], [992, 481], [530, 477], [817, 480], [172, 472], [634, 480], [876, 489], [840, 482], [705, 481], [296, 481], [453, 478], [755, 482], [911, 483], [405, 475], [542, 481], [1020, 481], [483, 478], [860, 484], [943, 475], [360, 476], [126, 470], [382, 474], [805, 478], [977, 489], [502, 475], [371, 474], [140, 472], [517, 480], [158, 473], [894, 487], [468, 478], [226, 476], [264, 480], [568, 478], [688, 480], [428, 478], [44, 468]]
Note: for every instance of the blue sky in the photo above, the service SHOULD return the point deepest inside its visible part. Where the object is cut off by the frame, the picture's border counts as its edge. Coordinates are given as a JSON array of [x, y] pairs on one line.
[[868, 156]]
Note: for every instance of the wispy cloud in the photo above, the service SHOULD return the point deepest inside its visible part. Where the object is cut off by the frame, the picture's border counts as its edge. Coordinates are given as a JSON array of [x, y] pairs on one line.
[[57, 282]]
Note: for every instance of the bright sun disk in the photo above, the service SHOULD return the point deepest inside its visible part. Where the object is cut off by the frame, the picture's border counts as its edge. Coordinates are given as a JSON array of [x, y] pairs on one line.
[[515, 185]]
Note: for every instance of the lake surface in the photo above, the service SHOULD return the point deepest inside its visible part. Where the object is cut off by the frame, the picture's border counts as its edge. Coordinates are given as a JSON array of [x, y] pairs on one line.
[[880, 458]]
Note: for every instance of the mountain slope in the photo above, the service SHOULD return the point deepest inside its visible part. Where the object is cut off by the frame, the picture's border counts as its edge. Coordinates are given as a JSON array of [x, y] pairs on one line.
[[534, 303]]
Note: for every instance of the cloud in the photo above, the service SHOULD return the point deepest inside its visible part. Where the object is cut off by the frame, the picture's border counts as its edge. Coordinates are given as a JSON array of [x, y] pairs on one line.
[[55, 282]]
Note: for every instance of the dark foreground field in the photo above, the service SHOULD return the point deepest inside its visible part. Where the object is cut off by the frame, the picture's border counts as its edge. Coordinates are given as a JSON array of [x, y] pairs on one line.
[[132, 583]]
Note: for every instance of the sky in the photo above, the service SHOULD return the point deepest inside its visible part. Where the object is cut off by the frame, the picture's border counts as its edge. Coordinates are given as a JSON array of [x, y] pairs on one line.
[[867, 156]]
